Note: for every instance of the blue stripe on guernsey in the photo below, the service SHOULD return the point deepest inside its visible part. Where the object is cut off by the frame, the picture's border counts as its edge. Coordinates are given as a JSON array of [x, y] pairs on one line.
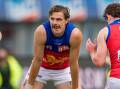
[[114, 22], [55, 41], [108, 33]]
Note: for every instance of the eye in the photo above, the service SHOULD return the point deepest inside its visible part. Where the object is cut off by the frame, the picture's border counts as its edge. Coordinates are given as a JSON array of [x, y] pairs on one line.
[[52, 18], [59, 19]]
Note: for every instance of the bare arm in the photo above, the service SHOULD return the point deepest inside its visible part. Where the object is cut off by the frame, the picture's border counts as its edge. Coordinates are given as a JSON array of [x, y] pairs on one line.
[[39, 42], [98, 51], [0, 35], [75, 43]]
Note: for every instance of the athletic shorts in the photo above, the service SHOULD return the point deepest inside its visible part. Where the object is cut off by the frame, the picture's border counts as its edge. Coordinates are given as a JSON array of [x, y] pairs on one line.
[[57, 76], [113, 83]]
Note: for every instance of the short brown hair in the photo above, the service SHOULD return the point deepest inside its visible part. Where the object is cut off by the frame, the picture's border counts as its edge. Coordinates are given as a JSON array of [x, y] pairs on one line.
[[113, 10], [60, 8]]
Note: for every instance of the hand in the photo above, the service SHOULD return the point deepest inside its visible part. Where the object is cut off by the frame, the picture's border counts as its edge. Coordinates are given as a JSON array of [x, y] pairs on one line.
[[79, 88], [26, 85], [90, 46]]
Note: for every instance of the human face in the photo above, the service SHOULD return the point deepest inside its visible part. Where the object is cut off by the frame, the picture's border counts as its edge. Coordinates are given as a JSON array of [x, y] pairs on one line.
[[3, 54], [58, 23]]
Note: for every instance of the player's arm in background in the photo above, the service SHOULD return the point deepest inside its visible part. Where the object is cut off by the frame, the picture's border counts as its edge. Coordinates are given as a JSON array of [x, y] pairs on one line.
[[39, 43], [98, 50], [0, 35], [75, 43]]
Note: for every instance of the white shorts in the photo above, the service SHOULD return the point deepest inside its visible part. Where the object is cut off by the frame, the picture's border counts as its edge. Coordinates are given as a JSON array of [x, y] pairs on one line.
[[113, 83], [57, 76]]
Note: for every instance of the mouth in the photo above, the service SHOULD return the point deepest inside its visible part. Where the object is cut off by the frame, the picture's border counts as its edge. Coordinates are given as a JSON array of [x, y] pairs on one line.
[[56, 27]]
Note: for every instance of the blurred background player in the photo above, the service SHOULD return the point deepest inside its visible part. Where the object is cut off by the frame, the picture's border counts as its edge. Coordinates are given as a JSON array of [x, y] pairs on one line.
[[108, 38], [56, 52], [11, 71]]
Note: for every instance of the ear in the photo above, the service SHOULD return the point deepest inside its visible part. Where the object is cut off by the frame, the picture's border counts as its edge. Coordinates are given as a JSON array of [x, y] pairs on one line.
[[108, 17]]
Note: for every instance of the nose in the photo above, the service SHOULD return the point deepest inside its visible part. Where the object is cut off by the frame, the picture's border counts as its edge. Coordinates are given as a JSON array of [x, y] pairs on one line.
[[54, 21]]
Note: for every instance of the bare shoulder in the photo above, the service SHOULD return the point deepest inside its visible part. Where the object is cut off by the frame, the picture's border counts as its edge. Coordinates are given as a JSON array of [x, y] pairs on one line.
[[40, 30], [40, 33], [76, 33], [103, 32], [76, 36]]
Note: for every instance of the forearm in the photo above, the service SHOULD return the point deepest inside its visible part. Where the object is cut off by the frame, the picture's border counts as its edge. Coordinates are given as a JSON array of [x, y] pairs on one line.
[[34, 71], [75, 76], [98, 60], [94, 58]]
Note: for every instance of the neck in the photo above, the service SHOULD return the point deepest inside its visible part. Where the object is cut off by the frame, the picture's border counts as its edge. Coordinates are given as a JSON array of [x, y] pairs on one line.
[[58, 35], [113, 19]]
